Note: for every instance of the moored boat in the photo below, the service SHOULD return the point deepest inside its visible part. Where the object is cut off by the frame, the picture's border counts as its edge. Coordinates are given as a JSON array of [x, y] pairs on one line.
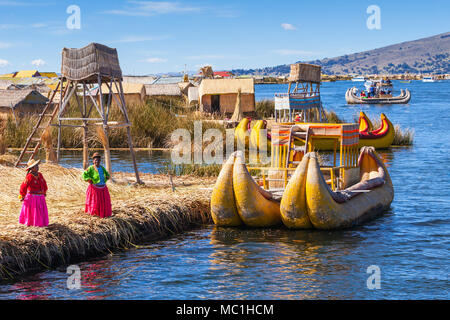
[[428, 79], [380, 138], [371, 196], [359, 79]]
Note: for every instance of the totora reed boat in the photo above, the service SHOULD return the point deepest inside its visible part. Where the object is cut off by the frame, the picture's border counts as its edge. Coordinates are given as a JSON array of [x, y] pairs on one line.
[[237, 199], [352, 98], [347, 187], [308, 200]]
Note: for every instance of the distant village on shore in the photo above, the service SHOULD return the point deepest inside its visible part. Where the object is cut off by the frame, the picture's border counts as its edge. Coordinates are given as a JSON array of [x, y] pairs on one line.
[[27, 90]]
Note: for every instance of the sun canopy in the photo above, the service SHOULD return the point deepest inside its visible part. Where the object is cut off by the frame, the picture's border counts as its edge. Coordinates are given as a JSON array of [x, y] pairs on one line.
[[90, 62]]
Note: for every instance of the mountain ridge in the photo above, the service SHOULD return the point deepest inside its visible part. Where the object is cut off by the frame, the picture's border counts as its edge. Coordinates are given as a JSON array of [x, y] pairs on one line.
[[425, 55]]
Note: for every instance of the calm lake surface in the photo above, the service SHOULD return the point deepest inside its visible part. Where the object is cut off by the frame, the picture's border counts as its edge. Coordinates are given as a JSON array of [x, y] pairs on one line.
[[410, 243]]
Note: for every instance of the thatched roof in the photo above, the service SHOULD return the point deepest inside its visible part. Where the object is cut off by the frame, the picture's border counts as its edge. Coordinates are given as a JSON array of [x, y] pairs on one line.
[[171, 89], [27, 74], [226, 86], [89, 62], [4, 84], [11, 98], [305, 72]]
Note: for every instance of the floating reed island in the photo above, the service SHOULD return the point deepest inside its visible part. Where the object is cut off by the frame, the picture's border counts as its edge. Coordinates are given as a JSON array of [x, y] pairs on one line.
[[162, 207]]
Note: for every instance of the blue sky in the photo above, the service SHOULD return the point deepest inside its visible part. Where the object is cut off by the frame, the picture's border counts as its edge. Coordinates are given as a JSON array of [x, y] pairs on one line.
[[164, 36]]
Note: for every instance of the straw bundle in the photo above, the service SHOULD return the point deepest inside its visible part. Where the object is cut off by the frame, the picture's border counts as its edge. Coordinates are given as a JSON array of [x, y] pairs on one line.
[[238, 114], [139, 213], [47, 141]]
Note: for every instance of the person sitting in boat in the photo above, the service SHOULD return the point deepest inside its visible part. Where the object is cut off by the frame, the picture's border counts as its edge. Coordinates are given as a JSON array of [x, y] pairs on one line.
[[372, 92], [363, 94], [32, 192], [98, 200]]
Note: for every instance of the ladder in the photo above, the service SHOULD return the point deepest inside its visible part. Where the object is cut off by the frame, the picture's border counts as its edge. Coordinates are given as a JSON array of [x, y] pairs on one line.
[[38, 130], [296, 133]]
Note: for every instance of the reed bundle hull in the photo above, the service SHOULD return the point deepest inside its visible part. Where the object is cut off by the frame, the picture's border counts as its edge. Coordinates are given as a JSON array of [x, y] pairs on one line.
[[403, 98], [326, 213]]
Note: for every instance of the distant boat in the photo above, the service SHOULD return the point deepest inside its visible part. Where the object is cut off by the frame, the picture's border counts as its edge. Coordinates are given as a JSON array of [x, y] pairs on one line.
[[405, 81], [359, 79], [428, 79], [352, 98]]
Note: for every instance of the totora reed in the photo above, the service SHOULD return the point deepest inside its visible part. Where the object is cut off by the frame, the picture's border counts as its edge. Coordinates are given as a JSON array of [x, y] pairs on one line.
[[142, 213]]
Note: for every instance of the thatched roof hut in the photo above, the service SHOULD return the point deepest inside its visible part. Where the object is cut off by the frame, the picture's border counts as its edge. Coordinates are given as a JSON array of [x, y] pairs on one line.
[[220, 95], [171, 89], [21, 102], [90, 62]]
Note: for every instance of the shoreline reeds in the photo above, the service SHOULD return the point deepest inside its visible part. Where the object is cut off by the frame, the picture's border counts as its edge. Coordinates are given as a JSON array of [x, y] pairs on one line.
[[143, 213]]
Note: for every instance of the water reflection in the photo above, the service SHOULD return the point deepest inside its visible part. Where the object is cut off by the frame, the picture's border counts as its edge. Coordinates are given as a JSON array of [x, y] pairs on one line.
[[294, 264]]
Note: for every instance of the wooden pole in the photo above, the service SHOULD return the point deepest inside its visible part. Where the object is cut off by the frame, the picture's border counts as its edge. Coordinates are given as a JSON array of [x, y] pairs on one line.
[[85, 132], [130, 142], [105, 129]]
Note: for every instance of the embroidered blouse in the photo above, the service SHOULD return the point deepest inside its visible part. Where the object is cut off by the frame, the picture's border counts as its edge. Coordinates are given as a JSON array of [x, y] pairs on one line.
[[33, 185], [92, 174]]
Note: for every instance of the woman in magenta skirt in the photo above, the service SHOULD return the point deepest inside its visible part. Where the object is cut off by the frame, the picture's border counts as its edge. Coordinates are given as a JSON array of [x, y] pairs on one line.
[[32, 192], [98, 200]]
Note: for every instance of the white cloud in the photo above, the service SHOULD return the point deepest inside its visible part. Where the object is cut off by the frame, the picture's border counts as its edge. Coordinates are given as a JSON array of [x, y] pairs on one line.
[[38, 63], [288, 52], [155, 60], [288, 26], [4, 63], [5, 45], [38, 25], [151, 8]]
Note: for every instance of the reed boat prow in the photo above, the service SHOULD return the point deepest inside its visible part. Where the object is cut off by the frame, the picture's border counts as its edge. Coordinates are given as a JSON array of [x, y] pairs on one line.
[[362, 201], [294, 212], [255, 205], [380, 138], [223, 205]]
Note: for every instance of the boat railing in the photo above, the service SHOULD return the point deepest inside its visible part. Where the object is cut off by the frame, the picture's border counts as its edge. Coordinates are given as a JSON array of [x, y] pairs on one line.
[[263, 179]]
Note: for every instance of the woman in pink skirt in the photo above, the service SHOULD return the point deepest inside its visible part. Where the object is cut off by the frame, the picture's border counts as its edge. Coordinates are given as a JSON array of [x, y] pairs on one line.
[[98, 201], [32, 192]]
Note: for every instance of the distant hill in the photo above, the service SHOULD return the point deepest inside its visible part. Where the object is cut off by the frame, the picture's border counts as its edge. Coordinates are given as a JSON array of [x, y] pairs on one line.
[[427, 55]]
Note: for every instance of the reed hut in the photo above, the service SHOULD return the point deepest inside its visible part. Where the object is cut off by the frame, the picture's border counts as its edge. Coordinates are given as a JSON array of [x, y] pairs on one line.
[[19, 103], [170, 94], [220, 95], [134, 93]]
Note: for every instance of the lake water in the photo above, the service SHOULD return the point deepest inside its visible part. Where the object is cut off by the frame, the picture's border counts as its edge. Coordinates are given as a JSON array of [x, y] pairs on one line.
[[409, 244]]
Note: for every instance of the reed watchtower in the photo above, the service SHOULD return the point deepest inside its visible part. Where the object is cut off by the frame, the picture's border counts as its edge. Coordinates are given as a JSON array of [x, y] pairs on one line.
[[90, 79], [304, 81]]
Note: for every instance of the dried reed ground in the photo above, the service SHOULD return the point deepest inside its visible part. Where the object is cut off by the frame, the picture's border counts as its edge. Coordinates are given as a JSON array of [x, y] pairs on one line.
[[140, 213]]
